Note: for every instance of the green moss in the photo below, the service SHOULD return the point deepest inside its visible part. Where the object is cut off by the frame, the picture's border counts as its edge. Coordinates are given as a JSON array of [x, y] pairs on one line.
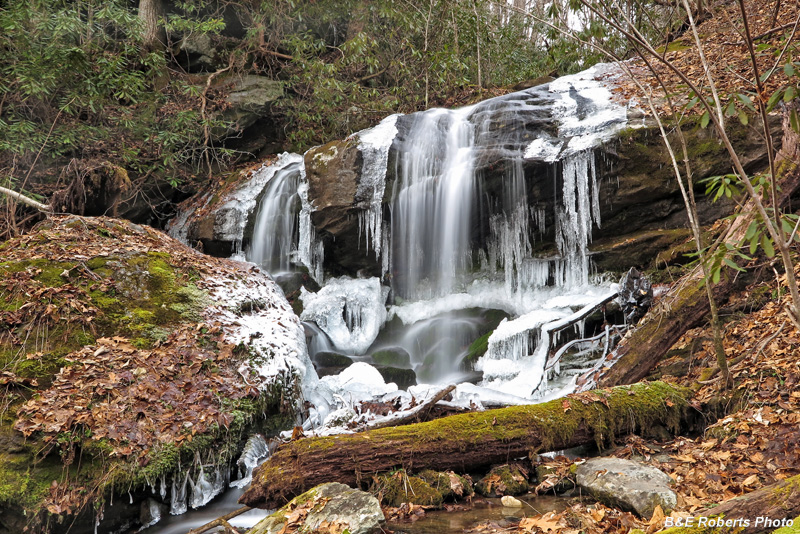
[[503, 480], [398, 488], [794, 529], [477, 349], [443, 483]]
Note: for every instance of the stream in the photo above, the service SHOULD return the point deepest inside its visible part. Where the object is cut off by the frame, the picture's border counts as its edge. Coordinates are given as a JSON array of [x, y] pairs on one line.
[[454, 288]]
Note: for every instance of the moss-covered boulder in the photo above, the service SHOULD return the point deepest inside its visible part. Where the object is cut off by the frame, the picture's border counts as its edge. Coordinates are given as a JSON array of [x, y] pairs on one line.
[[449, 484], [394, 489], [126, 355], [509, 479]]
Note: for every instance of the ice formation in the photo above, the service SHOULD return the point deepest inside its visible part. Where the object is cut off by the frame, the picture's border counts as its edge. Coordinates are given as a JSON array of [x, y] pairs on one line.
[[374, 145], [350, 311]]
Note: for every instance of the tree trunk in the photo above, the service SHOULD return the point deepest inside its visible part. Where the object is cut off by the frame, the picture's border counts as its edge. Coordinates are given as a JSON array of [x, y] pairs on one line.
[[151, 13], [468, 442], [687, 305]]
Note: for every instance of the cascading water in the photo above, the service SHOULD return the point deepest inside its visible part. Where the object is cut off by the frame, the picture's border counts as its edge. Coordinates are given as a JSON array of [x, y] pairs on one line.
[[276, 227], [461, 224], [433, 203]]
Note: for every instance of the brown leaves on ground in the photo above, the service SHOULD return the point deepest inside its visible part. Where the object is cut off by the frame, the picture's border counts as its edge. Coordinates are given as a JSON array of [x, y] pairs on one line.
[[295, 519], [408, 512], [725, 50], [578, 519], [136, 398], [133, 398]]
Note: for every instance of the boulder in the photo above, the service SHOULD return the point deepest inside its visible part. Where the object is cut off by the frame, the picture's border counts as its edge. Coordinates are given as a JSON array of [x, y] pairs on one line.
[[250, 99], [627, 485], [334, 506], [510, 479]]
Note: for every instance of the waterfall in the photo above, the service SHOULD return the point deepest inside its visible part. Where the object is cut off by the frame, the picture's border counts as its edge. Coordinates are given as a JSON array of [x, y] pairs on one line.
[[275, 234], [433, 202]]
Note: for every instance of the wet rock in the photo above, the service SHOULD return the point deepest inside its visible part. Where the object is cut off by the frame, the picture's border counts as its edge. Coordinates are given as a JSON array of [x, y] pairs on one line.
[[332, 359], [398, 488], [635, 295], [627, 485], [334, 506], [509, 479], [394, 356], [402, 377], [511, 502]]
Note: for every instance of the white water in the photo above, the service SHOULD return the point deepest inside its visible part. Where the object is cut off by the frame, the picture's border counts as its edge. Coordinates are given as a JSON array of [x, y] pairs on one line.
[[432, 205], [275, 234]]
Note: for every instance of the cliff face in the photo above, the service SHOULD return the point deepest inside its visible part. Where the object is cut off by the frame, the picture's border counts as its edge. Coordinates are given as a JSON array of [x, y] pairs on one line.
[[126, 355]]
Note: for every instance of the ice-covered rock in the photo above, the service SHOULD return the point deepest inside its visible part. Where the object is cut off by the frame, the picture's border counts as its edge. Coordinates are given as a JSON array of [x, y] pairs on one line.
[[351, 311]]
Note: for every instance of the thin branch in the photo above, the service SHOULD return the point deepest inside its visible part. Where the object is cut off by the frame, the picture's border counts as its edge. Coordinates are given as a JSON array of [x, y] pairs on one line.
[[221, 521], [19, 197]]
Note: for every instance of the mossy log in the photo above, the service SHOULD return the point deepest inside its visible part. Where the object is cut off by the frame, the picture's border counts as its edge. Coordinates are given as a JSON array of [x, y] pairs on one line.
[[468, 442], [687, 305]]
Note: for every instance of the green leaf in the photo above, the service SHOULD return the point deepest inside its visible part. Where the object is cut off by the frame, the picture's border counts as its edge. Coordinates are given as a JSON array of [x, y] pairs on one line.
[[766, 242], [715, 275], [743, 118], [787, 227], [754, 244], [789, 95], [751, 230], [730, 111], [789, 69], [732, 264], [794, 121], [746, 101], [774, 99], [704, 120]]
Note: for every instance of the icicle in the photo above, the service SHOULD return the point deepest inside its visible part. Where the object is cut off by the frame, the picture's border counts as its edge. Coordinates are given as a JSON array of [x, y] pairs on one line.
[[254, 452], [178, 494], [163, 492], [310, 251], [374, 145]]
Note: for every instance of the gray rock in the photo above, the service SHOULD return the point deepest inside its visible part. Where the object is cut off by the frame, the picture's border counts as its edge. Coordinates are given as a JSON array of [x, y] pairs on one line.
[[627, 485], [250, 99], [197, 52], [357, 511]]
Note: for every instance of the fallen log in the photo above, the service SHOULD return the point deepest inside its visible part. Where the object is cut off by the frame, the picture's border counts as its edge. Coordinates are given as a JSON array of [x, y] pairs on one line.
[[468, 442], [760, 511]]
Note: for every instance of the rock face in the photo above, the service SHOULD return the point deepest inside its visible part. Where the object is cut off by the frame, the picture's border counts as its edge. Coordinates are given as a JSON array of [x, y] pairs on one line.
[[250, 99], [333, 505], [627, 485]]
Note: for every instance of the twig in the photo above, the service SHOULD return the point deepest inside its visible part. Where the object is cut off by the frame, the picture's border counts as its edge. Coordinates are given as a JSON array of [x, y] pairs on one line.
[[220, 521], [773, 30]]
